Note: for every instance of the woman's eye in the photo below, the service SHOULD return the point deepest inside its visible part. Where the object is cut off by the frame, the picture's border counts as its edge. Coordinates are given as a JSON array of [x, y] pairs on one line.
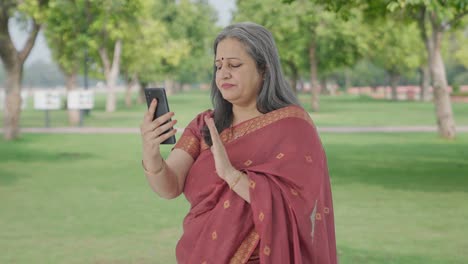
[[236, 66]]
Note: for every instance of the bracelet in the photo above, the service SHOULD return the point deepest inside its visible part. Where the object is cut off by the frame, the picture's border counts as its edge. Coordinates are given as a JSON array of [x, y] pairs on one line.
[[232, 185], [153, 174]]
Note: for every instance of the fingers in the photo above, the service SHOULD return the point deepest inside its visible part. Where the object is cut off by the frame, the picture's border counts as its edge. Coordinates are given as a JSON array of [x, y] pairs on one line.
[[150, 125], [165, 136], [150, 113], [162, 119], [161, 129], [152, 129], [213, 131]]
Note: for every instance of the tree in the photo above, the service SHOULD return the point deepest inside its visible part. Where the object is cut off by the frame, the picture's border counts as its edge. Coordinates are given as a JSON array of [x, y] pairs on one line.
[[193, 23], [33, 13], [109, 24], [434, 17], [150, 49], [441, 16], [304, 29], [64, 31], [395, 48], [280, 20]]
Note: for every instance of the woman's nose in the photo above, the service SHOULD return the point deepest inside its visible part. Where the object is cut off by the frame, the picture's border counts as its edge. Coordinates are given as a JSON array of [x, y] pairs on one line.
[[225, 73]]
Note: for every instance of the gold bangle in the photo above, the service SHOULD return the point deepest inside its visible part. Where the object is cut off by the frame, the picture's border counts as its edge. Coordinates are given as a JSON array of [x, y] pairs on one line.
[[231, 186], [152, 173]]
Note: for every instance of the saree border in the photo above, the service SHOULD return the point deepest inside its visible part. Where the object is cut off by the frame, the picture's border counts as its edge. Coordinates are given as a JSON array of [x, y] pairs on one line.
[[254, 124], [246, 248], [189, 144]]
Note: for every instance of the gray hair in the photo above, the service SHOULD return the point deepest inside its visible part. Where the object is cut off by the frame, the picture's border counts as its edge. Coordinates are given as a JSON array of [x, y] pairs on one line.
[[275, 92]]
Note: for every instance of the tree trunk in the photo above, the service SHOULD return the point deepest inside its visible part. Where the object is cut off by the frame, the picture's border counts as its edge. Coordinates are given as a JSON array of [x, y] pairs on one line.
[[111, 72], [425, 82], [141, 92], [13, 61], [315, 89], [347, 79], [294, 75], [70, 84], [394, 80], [11, 115], [293, 83], [169, 86], [131, 85], [443, 105], [323, 86]]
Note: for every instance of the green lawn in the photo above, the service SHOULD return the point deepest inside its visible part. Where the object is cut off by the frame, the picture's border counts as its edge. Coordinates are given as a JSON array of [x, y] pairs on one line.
[[335, 111], [399, 198]]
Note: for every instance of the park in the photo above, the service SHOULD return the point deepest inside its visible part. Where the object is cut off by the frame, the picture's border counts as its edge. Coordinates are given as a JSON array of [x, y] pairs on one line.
[[72, 189]]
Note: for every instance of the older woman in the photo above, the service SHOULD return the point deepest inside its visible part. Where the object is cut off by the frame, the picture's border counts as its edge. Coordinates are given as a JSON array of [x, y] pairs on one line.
[[253, 169]]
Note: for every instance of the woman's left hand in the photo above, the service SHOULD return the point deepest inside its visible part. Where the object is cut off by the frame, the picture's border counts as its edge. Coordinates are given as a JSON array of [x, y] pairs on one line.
[[222, 163]]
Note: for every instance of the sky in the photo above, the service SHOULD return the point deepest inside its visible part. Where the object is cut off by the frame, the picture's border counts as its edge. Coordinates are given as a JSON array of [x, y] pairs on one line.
[[41, 51]]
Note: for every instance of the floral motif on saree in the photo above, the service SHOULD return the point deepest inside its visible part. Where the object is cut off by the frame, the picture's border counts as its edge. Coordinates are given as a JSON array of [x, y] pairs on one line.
[[290, 217]]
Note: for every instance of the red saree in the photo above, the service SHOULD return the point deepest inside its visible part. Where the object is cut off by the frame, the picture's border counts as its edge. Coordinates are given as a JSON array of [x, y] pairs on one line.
[[290, 217]]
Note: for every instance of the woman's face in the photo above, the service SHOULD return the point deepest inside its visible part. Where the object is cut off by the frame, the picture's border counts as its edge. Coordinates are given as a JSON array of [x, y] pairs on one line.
[[237, 76]]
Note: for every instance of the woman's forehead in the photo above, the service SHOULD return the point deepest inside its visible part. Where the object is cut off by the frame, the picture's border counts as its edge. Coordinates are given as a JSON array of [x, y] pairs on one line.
[[230, 49]]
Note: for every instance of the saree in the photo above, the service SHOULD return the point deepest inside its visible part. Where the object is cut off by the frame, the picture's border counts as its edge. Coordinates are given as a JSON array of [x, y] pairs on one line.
[[290, 215]]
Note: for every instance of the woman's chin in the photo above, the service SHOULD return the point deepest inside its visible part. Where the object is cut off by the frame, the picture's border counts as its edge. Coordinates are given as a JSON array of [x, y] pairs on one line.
[[229, 96]]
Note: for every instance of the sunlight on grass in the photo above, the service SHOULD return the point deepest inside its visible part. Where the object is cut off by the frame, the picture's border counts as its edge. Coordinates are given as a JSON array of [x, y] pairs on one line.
[[399, 198]]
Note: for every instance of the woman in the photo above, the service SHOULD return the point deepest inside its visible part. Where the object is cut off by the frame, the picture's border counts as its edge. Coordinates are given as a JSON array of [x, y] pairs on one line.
[[259, 190]]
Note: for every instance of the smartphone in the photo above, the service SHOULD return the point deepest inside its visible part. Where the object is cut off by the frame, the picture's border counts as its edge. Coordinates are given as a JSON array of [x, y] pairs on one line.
[[163, 107]]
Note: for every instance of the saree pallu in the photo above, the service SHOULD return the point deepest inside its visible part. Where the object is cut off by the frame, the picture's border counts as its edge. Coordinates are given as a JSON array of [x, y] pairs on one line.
[[290, 216]]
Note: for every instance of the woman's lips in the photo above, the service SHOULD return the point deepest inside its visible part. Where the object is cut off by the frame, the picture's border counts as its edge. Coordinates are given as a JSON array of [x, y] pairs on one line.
[[227, 85]]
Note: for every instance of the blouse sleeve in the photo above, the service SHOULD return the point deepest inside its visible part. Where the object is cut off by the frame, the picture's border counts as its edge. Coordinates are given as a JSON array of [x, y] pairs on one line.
[[191, 138]]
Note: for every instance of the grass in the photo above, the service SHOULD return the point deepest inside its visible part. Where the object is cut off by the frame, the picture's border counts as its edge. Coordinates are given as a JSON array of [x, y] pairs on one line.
[[399, 198], [365, 111], [344, 110]]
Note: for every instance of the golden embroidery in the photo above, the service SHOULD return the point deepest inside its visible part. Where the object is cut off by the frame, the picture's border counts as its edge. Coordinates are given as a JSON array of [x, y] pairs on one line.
[[318, 216], [226, 204], [250, 126], [261, 216], [203, 145], [294, 192], [308, 159], [214, 235], [189, 144], [246, 248], [280, 155], [247, 163], [252, 184], [326, 210], [266, 250]]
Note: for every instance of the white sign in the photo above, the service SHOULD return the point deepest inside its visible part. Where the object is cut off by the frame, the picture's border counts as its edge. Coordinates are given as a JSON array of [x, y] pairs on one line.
[[2, 99], [80, 99], [24, 99], [47, 100]]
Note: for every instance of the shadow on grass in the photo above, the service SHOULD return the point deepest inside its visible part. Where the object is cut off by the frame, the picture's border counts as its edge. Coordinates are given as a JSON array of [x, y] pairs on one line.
[[427, 166], [25, 155], [16, 155], [348, 255], [8, 177]]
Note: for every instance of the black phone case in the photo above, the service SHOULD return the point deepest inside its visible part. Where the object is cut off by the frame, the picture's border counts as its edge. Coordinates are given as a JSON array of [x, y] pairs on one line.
[[161, 108]]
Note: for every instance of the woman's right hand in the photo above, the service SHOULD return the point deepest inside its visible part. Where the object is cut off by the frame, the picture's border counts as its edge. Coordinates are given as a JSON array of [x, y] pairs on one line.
[[152, 134]]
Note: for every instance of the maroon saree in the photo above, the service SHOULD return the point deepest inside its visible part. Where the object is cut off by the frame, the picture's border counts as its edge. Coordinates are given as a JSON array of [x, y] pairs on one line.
[[290, 217]]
